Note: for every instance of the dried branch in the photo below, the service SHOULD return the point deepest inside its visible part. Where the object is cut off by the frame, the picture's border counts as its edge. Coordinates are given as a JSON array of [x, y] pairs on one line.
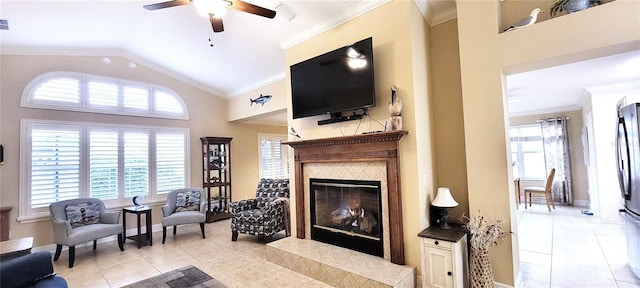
[[484, 235]]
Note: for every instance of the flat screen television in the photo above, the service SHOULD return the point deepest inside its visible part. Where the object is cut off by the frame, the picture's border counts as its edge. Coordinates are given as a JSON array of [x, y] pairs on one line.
[[337, 81]]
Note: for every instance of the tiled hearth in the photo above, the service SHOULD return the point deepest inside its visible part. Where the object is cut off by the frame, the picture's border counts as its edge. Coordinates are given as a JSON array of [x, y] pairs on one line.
[[336, 266]]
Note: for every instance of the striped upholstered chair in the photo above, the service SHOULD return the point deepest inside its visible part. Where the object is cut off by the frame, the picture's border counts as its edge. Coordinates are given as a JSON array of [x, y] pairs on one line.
[[265, 215]]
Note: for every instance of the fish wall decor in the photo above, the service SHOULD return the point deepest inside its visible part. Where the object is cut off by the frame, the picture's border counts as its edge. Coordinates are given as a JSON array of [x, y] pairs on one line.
[[261, 100]]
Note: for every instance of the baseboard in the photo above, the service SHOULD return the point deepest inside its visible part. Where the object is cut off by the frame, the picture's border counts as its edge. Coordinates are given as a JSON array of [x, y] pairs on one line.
[[583, 203], [501, 285], [519, 283]]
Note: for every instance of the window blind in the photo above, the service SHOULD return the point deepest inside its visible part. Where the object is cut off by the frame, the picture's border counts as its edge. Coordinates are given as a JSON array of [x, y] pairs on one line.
[[170, 158], [55, 164]]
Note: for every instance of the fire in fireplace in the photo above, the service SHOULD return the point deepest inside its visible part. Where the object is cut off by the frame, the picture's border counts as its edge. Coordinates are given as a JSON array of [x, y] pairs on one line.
[[347, 213]]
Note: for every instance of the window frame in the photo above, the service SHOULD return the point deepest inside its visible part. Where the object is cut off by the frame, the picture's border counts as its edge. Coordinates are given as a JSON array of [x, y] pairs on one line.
[[28, 214], [520, 153], [28, 100], [285, 160]]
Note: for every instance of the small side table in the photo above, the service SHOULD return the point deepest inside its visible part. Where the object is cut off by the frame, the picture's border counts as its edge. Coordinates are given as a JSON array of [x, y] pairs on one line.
[[138, 210], [444, 257], [15, 248]]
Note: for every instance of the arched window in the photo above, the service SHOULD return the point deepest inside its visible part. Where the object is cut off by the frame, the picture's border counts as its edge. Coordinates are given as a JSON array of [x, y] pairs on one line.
[[72, 91], [114, 162]]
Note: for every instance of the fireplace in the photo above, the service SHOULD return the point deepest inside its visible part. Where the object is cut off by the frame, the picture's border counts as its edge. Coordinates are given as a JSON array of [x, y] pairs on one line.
[[367, 148], [347, 213]]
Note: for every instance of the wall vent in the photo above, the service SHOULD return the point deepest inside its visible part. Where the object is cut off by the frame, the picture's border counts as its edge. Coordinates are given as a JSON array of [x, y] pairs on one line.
[[286, 12], [4, 24]]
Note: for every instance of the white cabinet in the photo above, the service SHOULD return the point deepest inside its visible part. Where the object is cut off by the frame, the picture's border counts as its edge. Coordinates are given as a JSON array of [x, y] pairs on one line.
[[444, 257]]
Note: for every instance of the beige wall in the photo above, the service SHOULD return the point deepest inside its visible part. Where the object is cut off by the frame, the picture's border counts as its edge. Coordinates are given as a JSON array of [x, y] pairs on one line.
[[240, 108], [447, 113], [485, 55], [207, 118], [397, 44], [579, 177], [512, 11]]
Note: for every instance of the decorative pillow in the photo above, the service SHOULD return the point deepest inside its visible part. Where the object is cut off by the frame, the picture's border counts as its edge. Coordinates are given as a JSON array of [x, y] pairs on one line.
[[85, 213], [188, 201]]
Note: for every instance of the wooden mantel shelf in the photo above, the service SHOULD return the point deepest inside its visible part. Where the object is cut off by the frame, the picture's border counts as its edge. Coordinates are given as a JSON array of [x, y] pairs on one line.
[[357, 148], [355, 139]]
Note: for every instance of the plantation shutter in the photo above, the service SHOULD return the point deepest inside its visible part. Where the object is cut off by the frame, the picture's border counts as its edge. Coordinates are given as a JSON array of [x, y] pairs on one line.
[[266, 159], [168, 103], [55, 164], [103, 164], [64, 90], [170, 161], [136, 163], [103, 94], [273, 158], [136, 98]]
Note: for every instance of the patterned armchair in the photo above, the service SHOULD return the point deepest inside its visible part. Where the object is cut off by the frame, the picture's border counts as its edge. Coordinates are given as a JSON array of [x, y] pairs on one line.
[[265, 215]]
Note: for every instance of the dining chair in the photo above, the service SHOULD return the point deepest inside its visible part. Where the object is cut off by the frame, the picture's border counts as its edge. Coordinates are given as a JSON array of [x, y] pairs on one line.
[[542, 190]]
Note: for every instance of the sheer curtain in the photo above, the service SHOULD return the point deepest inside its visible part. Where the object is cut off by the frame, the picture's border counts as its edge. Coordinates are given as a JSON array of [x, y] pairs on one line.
[[556, 153]]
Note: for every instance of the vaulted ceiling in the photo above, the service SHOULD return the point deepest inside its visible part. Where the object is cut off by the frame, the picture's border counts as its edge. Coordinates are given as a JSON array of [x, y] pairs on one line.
[[250, 52]]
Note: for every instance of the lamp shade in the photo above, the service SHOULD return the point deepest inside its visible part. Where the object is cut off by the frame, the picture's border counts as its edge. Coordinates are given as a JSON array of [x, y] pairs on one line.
[[444, 198]]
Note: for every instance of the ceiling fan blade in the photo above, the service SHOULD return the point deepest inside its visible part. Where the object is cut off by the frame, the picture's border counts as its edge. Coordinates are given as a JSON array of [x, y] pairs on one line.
[[166, 4], [250, 8], [216, 24]]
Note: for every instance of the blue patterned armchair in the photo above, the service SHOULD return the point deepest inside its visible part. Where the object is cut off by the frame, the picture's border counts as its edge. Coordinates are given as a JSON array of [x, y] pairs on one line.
[[265, 215]]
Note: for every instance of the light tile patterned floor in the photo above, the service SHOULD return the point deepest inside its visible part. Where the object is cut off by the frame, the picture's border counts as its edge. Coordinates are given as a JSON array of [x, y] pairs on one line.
[[565, 248], [236, 264]]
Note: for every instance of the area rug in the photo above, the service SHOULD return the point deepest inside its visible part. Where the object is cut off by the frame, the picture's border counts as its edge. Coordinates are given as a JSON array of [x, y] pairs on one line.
[[180, 278]]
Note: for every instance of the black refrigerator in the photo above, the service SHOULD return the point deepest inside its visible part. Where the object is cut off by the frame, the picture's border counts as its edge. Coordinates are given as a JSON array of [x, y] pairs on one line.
[[628, 162]]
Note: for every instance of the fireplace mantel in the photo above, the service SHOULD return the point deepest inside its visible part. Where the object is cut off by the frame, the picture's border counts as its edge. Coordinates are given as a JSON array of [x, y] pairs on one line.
[[358, 148]]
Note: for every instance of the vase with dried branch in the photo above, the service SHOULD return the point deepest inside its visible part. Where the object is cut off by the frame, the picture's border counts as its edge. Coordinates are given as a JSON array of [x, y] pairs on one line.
[[484, 235]]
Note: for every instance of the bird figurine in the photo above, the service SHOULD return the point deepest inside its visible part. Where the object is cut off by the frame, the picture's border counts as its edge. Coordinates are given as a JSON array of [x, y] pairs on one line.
[[526, 21], [294, 133]]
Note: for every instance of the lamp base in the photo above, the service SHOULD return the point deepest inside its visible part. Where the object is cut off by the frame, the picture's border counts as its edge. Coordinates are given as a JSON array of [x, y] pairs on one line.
[[444, 224]]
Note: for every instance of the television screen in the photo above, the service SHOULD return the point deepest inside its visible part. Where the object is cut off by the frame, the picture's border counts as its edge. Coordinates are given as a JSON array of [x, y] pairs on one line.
[[337, 81]]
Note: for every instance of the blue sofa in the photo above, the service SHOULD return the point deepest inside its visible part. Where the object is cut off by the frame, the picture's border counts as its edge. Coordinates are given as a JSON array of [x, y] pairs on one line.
[[31, 270]]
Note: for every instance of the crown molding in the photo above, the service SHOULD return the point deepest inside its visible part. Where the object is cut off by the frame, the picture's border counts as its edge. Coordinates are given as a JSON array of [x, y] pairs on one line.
[[444, 16], [619, 87], [363, 7], [546, 111], [435, 16]]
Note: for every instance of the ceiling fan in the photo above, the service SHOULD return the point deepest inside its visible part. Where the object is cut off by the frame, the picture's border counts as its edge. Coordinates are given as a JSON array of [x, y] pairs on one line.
[[216, 9]]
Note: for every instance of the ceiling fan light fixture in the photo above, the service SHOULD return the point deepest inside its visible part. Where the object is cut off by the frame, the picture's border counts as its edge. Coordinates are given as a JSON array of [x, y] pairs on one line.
[[352, 52], [211, 8], [357, 63]]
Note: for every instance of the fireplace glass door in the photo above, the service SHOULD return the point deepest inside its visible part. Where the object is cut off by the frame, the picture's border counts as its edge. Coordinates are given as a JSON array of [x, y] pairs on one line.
[[347, 213]]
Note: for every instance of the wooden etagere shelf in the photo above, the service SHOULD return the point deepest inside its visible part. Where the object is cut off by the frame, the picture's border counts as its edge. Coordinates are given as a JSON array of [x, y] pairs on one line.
[[216, 176]]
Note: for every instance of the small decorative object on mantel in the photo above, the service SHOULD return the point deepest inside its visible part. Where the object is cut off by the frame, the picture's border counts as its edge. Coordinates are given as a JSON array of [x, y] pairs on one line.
[[395, 110], [483, 237], [294, 133], [261, 100], [571, 6], [526, 21]]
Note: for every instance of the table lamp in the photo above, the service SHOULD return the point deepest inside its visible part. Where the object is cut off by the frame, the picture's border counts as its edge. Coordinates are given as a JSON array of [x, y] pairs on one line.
[[444, 200]]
